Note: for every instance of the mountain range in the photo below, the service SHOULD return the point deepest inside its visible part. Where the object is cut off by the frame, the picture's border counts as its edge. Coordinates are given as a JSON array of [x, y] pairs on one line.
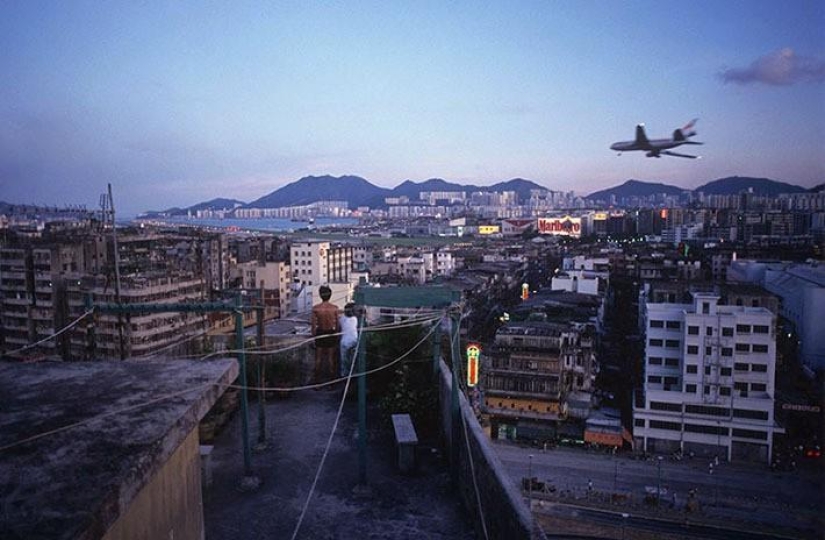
[[359, 192]]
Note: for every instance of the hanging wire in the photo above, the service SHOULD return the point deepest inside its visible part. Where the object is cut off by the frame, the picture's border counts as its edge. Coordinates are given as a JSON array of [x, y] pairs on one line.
[[47, 338], [329, 440]]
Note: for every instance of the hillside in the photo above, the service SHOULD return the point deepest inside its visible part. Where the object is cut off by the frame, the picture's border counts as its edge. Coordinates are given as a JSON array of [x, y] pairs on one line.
[[353, 189], [736, 184], [635, 188]]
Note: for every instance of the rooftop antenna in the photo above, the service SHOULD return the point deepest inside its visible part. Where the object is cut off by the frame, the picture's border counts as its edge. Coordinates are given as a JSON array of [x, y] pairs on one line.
[[107, 204]]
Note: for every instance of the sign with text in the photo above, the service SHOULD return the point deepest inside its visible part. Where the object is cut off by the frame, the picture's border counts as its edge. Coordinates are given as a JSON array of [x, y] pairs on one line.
[[561, 226], [473, 357]]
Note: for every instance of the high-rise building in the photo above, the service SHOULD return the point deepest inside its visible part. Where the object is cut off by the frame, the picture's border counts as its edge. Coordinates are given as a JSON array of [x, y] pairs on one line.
[[709, 380]]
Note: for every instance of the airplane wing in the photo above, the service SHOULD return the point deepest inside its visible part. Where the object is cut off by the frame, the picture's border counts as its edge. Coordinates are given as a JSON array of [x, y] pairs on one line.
[[676, 154]]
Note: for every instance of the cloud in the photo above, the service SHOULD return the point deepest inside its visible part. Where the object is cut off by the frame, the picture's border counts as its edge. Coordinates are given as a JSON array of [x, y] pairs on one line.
[[780, 68]]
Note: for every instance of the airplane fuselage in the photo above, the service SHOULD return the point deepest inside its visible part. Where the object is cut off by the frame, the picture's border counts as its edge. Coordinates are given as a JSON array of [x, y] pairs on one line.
[[655, 144], [658, 147]]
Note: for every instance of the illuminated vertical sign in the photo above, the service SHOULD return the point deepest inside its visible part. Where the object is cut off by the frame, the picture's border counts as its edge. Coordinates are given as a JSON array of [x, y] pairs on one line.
[[525, 291], [473, 354]]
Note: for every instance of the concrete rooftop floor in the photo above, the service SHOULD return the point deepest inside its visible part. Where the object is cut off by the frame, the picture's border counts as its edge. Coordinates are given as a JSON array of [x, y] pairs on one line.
[[394, 506], [78, 439]]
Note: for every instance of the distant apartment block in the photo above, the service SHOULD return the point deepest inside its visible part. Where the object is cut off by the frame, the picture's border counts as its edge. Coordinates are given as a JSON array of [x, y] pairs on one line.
[[709, 380], [532, 369]]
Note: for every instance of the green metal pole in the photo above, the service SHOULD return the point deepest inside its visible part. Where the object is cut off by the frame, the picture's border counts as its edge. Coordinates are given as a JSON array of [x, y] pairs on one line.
[[436, 347], [362, 400], [247, 454], [261, 377], [455, 416]]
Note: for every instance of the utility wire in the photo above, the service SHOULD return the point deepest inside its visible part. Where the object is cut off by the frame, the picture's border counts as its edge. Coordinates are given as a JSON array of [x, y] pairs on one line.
[[47, 338], [105, 415], [337, 380], [329, 441]]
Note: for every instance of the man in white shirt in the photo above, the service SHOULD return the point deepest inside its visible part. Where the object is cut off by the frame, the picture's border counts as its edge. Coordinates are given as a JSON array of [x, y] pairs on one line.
[[348, 323]]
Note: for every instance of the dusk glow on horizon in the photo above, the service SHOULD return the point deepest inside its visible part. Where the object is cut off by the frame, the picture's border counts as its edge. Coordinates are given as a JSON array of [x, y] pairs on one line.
[[175, 103]]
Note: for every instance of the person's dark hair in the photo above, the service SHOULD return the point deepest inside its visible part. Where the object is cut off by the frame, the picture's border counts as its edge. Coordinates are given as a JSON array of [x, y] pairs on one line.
[[325, 292], [349, 310]]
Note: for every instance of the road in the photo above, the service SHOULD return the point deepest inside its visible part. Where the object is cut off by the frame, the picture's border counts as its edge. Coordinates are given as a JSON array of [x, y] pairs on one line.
[[744, 494]]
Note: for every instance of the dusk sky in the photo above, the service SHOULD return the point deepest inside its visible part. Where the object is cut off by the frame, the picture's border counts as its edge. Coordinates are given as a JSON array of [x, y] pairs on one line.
[[179, 102]]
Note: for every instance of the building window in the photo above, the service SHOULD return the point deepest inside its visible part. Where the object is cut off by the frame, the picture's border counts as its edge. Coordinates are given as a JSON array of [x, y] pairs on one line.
[[670, 426], [741, 366], [706, 410], [672, 343], [693, 330], [750, 414], [692, 368], [639, 422], [690, 388], [749, 434], [760, 329], [724, 390], [653, 379], [743, 347], [709, 331], [673, 325], [727, 351], [708, 351], [672, 362], [712, 430], [693, 349], [759, 368], [657, 324], [707, 390], [655, 342], [757, 348], [726, 372], [655, 361], [727, 331], [665, 406], [759, 387], [705, 308], [743, 329]]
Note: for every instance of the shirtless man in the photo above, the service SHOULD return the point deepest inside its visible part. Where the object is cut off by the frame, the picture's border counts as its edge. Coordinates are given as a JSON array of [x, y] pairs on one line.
[[325, 326]]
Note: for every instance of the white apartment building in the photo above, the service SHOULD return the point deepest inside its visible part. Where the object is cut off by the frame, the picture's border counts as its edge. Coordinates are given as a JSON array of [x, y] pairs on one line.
[[273, 276], [576, 281], [309, 263], [709, 380]]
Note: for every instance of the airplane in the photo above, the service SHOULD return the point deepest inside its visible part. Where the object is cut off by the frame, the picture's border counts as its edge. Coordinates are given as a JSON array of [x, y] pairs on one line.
[[659, 147]]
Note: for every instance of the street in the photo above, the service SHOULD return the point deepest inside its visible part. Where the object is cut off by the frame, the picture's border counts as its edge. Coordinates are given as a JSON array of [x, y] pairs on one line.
[[743, 496]]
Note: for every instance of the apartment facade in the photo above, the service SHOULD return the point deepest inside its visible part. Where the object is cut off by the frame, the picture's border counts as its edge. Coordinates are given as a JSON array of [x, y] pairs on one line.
[[530, 371], [709, 380]]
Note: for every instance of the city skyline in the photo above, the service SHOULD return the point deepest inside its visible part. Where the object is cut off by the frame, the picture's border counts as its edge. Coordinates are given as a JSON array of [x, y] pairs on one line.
[[176, 104]]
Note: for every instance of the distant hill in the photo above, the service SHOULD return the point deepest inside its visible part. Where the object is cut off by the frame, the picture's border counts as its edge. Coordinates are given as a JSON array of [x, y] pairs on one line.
[[635, 188], [217, 204], [817, 189], [353, 189], [412, 190], [760, 186], [360, 192]]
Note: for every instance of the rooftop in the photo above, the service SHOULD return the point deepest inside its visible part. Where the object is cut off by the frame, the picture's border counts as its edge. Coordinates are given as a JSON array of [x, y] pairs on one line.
[[78, 440]]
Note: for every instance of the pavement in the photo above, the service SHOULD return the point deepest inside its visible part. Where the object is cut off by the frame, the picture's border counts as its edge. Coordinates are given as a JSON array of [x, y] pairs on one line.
[[738, 496], [390, 506]]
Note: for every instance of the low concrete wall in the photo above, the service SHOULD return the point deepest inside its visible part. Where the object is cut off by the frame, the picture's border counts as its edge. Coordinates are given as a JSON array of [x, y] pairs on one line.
[[169, 505], [503, 509]]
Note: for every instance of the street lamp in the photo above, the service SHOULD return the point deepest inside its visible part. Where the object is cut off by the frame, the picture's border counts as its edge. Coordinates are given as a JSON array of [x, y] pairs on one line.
[[530, 481], [625, 515], [659, 480]]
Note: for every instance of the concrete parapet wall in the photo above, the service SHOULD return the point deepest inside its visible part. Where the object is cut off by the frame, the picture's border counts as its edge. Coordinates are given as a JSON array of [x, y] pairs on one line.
[[502, 507]]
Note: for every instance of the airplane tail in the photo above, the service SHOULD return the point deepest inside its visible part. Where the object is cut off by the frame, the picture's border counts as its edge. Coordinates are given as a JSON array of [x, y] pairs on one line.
[[683, 133]]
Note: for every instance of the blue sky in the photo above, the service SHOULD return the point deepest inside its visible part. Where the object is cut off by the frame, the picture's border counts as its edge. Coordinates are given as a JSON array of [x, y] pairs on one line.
[[178, 102]]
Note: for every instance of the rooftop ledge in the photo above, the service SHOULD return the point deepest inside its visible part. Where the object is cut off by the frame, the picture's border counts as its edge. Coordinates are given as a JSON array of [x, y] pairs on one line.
[[79, 440]]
